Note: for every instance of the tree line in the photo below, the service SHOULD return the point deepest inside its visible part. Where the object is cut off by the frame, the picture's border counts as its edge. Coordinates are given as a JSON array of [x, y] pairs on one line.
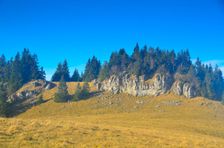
[[92, 70], [24, 67], [207, 80], [15, 72]]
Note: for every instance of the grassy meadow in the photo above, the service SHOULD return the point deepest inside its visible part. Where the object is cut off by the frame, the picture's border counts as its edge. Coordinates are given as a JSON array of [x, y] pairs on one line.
[[117, 121]]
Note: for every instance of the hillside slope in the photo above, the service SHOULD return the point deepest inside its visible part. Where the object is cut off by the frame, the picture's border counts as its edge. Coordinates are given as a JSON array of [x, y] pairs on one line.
[[117, 121]]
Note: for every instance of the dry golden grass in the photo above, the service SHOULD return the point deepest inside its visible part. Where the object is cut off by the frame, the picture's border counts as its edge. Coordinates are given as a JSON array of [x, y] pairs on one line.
[[117, 121], [49, 94]]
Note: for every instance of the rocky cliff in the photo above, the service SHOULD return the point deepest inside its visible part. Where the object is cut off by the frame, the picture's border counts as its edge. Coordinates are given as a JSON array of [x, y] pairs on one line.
[[27, 96], [31, 90], [138, 86]]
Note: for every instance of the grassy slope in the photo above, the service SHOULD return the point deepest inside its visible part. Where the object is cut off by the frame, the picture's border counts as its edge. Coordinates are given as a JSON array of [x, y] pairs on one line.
[[118, 120]]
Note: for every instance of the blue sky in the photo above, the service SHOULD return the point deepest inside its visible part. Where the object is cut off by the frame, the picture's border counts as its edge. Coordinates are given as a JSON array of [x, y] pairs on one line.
[[79, 29]]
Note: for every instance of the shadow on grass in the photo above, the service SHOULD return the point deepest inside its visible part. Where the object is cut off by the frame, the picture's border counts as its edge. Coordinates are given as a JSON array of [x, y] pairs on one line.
[[21, 106], [89, 96]]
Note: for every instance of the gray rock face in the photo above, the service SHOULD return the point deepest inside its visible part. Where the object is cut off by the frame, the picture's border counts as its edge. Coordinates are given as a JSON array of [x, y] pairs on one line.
[[31, 90], [177, 88], [189, 91], [184, 88], [49, 86], [138, 86]]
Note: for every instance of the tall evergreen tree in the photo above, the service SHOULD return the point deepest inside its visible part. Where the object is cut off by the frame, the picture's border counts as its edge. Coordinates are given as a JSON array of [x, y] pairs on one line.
[[61, 71], [58, 74], [124, 60], [62, 94], [78, 90], [65, 71], [114, 63], [30, 67], [92, 69], [183, 61], [76, 77], [3, 65], [136, 61], [16, 78], [3, 103], [104, 72]]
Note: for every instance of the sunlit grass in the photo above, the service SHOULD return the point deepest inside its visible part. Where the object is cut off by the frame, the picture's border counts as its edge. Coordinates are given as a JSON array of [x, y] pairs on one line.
[[117, 121]]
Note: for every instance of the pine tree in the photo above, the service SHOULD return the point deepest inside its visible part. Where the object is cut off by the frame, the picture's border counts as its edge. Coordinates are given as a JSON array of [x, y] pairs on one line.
[[58, 74], [78, 90], [62, 94], [92, 69], [183, 62], [104, 72], [114, 63], [26, 66], [30, 67], [218, 83], [3, 65], [76, 77], [65, 71], [124, 60], [42, 74], [61, 71], [16, 78], [136, 54], [136, 61], [81, 92], [209, 83], [85, 91], [3, 103]]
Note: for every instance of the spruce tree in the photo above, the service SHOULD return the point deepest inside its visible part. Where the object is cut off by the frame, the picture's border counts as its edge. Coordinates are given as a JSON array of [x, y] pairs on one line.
[[61, 71], [62, 94], [76, 77], [92, 69], [65, 71], [30, 67], [58, 74], [78, 90], [16, 77], [3, 65], [124, 60], [114, 63], [136, 61], [3, 101], [104, 72], [85, 92]]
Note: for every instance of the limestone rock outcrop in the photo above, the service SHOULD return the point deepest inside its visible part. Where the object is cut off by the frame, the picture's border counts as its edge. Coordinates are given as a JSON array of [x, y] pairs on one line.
[[31, 90], [138, 86], [184, 88]]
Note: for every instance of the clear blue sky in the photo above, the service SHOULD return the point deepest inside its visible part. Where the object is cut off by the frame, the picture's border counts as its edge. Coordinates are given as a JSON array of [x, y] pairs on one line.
[[79, 29]]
